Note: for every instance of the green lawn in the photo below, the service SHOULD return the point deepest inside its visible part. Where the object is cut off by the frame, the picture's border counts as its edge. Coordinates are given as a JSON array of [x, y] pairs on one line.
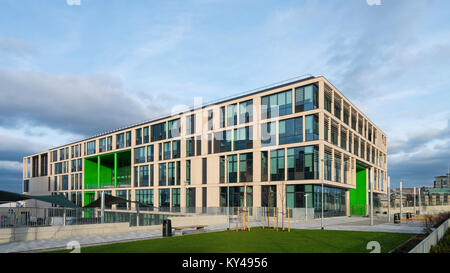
[[259, 241]]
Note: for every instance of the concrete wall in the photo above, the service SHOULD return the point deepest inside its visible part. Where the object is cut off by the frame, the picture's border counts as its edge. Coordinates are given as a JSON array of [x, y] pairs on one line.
[[8, 235]]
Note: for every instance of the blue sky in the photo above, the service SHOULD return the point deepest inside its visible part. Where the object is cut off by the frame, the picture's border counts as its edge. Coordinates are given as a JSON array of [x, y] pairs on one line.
[[71, 71]]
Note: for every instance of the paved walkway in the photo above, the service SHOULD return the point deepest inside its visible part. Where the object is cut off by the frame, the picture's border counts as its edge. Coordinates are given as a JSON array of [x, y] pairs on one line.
[[336, 223]]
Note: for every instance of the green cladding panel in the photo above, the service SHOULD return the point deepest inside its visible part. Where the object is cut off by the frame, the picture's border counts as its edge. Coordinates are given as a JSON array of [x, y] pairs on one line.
[[108, 170], [358, 196], [90, 173]]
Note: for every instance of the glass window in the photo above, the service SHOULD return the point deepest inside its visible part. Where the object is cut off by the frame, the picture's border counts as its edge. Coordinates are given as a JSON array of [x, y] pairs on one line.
[[150, 153], [291, 130], [65, 182], [139, 155], [164, 198], [143, 175], [327, 163], [302, 162], [306, 98], [61, 151], [222, 117], [269, 196], [278, 104], [138, 136], [246, 167], [210, 120], [178, 171], [334, 134], [174, 128], [120, 141], [74, 166], [344, 139], [312, 127], [109, 140], [346, 114], [232, 114], [136, 176], [190, 124], [128, 138], [91, 147], [268, 134], [277, 165], [158, 131], [337, 107], [188, 172], [190, 198], [246, 111], [222, 141], [171, 166], [176, 198], [190, 146], [145, 197], [337, 168], [162, 174], [167, 150], [222, 169], [327, 99], [146, 135], [243, 138], [264, 165], [176, 149], [198, 141], [232, 168], [102, 145]]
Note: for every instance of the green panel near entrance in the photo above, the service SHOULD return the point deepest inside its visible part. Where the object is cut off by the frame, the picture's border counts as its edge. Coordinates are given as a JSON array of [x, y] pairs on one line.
[[89, 197], [358, 196], [112, 170], [90, 173]]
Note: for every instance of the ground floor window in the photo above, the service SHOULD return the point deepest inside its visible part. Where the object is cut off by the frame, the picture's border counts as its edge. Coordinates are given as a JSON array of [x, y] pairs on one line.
[[334, 201], [269, 196], [176, 198], [236, 196], [190, 197], [145, 197], [164, 198]]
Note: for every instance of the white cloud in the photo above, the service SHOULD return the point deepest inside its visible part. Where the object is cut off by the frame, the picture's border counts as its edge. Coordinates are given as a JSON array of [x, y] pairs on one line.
[[10, 166]]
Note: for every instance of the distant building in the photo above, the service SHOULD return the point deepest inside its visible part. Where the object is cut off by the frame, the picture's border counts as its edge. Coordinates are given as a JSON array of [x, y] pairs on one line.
[[442, 182]]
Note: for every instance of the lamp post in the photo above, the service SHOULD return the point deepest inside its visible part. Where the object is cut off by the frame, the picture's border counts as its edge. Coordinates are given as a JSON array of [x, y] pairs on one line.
[[371, 197], [185, 194], [401, 197], [306, 207], [228, 192], [389, 198], [419, 201], [323, 179]]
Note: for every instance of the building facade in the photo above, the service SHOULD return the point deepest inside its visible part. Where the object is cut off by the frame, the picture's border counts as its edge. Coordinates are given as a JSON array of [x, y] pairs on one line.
[[442, 182], [271, 147]]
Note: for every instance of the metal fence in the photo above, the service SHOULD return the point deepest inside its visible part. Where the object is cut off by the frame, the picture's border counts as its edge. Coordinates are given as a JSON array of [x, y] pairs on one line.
[[142, 216], [41, 217]]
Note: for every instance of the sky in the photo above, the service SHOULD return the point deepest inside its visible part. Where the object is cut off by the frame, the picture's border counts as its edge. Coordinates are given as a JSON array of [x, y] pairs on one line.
[[70, 69]]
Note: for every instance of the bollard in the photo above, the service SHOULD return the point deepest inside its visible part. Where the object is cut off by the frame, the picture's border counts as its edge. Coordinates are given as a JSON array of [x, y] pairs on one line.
[[397, 218]]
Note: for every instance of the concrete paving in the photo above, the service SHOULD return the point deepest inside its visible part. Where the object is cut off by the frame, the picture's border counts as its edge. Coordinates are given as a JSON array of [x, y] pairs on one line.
[[335, 223]]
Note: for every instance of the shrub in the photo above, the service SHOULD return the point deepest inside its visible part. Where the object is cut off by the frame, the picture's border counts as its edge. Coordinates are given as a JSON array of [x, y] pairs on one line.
[[444, 244]]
